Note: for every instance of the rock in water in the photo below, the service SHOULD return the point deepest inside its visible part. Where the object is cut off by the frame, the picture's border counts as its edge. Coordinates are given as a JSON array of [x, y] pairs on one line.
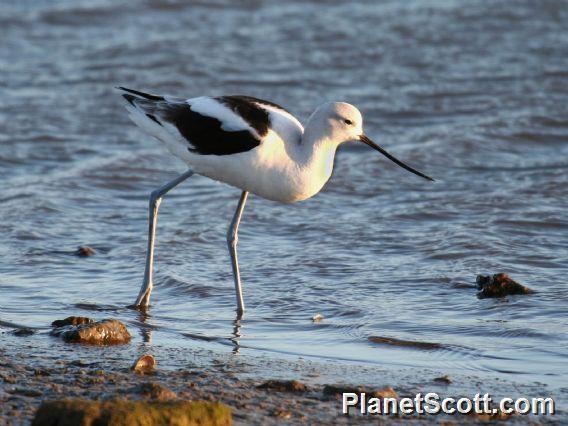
[[84, 251], [106, 332], [444, 379], [69, 412], [144, 365], [499, 285], [72, 321]]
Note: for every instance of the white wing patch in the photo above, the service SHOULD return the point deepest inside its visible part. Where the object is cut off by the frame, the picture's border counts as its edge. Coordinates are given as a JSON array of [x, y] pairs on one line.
[[283, 123], [209, 107]]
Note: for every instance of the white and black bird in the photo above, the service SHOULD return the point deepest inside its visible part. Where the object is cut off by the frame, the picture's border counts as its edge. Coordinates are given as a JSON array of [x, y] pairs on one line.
[[249, 143]]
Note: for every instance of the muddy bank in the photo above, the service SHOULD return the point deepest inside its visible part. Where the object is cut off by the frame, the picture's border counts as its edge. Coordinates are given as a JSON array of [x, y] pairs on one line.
[[257, 390], [76, 369]]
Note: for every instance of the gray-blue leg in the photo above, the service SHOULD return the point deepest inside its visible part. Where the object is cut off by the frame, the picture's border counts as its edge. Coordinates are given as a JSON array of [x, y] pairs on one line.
[[143, 299], [232, 240]]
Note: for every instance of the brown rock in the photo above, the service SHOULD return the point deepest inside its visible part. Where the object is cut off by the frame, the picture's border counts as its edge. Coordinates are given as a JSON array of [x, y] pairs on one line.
[[144, 365], [71, 412], [284, 386], [72, 321], [499, 285], [105, 332], [85, 251], [155, 391], [444, 379]]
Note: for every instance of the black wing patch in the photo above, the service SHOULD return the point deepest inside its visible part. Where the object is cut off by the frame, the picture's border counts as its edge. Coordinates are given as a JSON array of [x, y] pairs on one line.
[[256, 116], [205, 134], [260, 101]]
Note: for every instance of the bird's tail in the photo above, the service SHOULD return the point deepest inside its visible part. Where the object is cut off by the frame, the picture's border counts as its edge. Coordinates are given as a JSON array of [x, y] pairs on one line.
[[132, 96], [149, 112]]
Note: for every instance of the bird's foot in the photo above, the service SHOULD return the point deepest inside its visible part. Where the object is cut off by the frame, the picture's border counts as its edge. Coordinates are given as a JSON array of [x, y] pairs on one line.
[[143, 299]]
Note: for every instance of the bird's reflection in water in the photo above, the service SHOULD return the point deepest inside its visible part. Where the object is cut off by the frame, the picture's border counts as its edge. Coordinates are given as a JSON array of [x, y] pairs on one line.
[[237, 333], [145, 329]]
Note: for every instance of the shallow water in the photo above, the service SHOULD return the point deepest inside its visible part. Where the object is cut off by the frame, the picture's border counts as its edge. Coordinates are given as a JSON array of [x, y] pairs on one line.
[[472, 93]]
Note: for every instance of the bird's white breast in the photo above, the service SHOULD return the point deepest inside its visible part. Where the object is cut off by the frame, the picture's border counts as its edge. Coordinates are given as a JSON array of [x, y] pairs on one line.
[[270, 170]]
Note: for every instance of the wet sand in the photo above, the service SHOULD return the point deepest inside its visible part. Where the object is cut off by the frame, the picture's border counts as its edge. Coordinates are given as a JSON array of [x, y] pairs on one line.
[[39, 367]]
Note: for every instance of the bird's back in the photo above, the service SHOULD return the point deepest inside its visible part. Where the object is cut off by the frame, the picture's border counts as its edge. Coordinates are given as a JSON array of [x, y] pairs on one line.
[[205, 125], [240, 140]]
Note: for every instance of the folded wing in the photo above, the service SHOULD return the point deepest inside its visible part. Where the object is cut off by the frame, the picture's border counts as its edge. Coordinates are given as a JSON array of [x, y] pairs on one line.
[[222, 125]]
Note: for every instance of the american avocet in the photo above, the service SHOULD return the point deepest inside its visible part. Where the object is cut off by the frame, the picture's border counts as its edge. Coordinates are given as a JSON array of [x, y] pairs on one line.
[[251, 144]]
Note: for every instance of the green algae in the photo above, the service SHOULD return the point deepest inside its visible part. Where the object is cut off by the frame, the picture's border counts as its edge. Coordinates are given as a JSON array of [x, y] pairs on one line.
[[80, 412]]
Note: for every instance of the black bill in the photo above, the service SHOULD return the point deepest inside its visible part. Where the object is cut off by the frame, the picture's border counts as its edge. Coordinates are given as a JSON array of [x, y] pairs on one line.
[[376, 147]]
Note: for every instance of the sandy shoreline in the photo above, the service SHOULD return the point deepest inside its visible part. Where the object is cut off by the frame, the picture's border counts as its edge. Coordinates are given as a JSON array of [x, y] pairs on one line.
[[39, 367]]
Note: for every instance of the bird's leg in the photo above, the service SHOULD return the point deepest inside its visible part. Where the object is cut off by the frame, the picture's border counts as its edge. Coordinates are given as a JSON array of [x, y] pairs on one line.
[[143, 299], [232, 239]]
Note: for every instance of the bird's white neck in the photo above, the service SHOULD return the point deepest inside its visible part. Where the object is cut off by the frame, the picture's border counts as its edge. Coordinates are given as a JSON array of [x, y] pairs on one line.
[[317, 154]]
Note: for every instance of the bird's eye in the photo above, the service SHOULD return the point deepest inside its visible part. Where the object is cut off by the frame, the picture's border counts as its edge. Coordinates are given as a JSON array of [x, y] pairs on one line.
[[348, 122]]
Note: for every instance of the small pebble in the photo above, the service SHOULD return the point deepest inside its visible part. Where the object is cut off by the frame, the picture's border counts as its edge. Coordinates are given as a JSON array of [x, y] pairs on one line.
[[282, 413], [317, 317], [144, 365]]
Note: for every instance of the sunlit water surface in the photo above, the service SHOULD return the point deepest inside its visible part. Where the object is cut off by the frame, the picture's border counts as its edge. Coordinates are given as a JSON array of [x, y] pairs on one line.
[[473, 93]]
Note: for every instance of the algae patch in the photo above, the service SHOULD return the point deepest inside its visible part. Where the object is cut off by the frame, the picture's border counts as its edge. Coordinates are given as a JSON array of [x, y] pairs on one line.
[[71, 412]]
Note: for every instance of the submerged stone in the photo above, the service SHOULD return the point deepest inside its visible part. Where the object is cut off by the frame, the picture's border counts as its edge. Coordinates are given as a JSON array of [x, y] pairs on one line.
[[106, 332], [85, 251], [131, 413], [443, 379], [499, 285], [23, 332], [405, 343]]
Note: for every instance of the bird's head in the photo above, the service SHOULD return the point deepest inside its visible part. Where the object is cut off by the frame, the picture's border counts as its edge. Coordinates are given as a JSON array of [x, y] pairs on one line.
[[345, 124]]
